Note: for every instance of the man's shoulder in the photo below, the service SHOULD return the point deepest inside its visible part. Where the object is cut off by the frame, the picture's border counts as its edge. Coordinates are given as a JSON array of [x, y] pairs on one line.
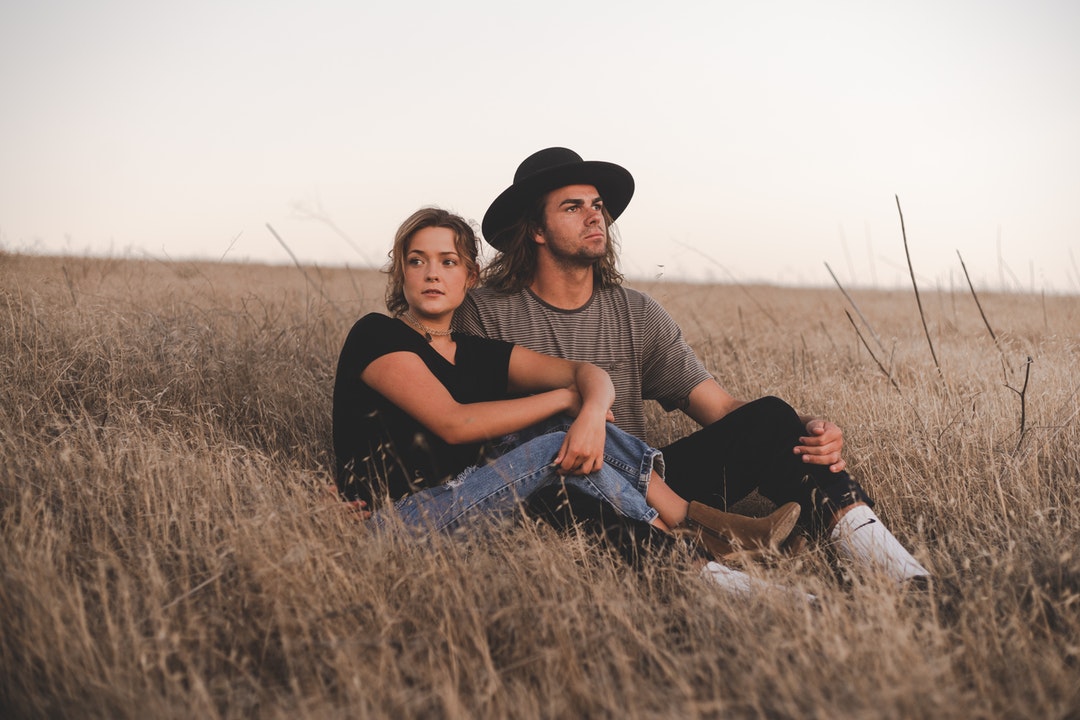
[[637, 301], [491, 304], [635, 296], [486, 312]]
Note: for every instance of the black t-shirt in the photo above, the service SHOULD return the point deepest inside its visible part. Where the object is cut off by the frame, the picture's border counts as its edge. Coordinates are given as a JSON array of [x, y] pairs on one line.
[[380, 450]]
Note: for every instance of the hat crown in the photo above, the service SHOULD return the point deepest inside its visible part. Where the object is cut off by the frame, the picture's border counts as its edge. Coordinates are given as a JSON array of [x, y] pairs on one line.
[[545, 170], [545, 159]]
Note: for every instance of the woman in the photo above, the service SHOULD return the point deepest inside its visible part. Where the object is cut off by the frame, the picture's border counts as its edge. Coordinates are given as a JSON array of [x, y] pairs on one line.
[[416, 408]]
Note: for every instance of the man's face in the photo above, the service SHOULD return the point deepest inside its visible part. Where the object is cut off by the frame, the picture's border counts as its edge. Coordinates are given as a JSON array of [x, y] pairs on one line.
[[574, 227]]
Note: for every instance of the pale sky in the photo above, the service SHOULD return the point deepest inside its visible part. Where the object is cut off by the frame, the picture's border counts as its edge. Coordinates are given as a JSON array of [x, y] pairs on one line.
[[766, 138]]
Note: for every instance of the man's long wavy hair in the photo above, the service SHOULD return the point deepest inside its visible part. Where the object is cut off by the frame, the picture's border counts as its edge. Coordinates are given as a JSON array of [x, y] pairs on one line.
[[464, 243], [513, 269]]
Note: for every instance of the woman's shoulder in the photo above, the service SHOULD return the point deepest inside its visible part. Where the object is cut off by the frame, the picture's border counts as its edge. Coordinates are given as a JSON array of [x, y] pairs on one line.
[[379, 325], [374, 320], [376, 334]]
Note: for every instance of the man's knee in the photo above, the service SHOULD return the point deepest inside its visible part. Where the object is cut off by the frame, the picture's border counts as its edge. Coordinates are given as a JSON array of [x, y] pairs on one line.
[[769, 411], [767, 422]]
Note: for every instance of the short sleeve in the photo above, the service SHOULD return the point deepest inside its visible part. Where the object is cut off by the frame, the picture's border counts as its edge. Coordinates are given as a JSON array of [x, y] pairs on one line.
[[669, 367], [373, 336]]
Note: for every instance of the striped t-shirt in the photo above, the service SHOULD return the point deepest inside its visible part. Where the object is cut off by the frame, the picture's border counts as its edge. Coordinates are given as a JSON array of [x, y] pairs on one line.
[[623, 331]]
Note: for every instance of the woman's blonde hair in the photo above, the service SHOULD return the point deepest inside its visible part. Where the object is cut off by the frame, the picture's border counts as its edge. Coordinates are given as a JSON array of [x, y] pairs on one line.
[[464, 243]]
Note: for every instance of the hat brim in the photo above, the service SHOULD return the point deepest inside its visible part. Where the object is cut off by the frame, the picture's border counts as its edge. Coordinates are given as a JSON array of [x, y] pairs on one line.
[[614, 183]]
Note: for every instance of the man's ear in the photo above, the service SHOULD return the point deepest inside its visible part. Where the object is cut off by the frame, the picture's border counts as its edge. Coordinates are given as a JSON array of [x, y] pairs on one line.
[[538, 236]]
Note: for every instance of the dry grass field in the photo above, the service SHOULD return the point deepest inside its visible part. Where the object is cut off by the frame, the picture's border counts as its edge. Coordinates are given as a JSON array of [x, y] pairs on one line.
[[168, 548]]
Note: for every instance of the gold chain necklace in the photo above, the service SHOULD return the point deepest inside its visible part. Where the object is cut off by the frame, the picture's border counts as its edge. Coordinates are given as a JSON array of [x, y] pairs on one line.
[[428, 332]]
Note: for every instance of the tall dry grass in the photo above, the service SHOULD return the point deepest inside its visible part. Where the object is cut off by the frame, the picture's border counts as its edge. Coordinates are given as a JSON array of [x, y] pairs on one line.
[[168, 549]]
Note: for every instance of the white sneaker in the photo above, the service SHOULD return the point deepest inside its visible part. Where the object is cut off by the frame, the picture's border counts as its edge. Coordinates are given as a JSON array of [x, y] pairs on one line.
[[863, 539], [739, 583]]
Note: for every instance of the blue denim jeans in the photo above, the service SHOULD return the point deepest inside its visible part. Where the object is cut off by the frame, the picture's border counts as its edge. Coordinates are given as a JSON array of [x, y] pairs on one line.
[[521, 465]]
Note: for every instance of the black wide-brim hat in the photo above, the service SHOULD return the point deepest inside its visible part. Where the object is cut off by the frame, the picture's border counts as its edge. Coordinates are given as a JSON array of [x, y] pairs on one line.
[[545, 171]]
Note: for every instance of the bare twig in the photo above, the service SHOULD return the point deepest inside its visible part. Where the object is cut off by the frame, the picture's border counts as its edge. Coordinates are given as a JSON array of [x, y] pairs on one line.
[[231, 245], [977, 303], [915, 285], [318, 288], [856, 308], [1076, 271], [70, 285], [870, 256], [734, 280], [320, 215], [881, 367], [1022, 392], [983, 314]]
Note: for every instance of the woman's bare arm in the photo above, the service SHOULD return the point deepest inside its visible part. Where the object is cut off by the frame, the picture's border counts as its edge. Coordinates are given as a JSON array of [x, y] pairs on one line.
[[582, 451], [404, 379]]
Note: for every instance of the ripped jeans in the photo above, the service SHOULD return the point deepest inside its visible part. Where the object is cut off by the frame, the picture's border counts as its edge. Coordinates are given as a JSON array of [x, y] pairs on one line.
[[521, 465]]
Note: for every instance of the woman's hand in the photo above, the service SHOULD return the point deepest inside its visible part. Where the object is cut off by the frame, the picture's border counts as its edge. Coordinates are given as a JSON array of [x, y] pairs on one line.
[[582, 451], [583, 391]]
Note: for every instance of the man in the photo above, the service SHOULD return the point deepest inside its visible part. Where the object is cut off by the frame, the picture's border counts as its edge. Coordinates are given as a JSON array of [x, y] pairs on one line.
[[554, 287]]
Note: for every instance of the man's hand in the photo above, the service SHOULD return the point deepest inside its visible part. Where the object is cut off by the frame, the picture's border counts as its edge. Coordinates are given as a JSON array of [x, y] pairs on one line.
[[822, 445], [358, 509]]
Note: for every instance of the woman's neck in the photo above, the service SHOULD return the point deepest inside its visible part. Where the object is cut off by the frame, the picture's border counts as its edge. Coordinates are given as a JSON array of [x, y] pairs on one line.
[[429, 331]]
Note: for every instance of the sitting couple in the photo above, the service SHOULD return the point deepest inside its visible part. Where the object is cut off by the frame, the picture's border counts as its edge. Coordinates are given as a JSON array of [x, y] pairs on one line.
[[454, 426]]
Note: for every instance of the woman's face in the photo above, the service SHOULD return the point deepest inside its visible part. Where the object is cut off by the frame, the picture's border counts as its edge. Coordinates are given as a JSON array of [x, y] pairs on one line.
[[436, 278]]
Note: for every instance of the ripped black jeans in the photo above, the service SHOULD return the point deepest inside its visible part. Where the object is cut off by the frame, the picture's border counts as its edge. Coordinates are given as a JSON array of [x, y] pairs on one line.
[[751, 448]]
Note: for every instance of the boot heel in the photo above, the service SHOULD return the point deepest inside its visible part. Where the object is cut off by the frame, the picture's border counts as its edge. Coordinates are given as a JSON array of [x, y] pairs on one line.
[[782, 522]]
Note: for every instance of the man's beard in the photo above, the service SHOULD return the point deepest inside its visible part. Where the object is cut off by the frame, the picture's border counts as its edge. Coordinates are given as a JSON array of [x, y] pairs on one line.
[[581, 256]]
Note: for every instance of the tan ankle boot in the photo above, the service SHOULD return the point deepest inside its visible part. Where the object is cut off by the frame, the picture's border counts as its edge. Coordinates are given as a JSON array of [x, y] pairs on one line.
[[726, 534]]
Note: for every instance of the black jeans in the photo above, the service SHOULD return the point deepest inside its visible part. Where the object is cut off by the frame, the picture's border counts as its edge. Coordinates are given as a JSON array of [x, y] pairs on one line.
[[748, 449], [751, 449]]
